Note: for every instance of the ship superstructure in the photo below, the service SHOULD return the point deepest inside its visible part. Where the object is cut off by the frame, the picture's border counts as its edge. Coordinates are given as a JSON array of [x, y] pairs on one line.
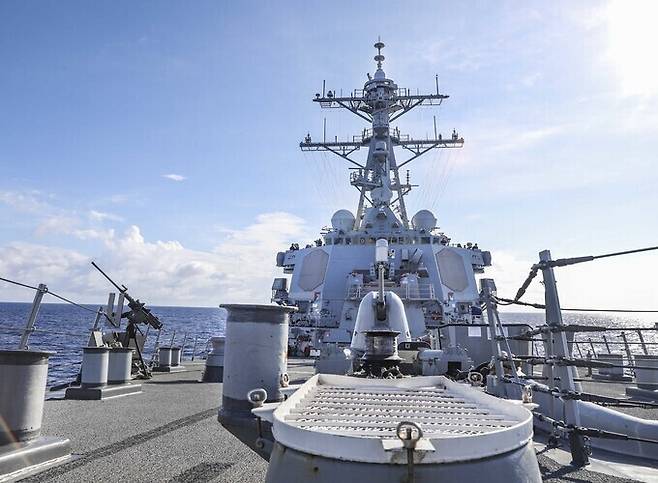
[[434, 278]]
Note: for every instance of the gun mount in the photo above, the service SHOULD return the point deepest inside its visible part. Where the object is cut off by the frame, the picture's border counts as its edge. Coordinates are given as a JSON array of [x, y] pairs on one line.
[[138, 314]]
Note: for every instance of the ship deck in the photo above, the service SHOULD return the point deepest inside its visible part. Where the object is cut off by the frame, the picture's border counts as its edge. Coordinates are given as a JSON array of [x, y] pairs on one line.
[[170, 433]]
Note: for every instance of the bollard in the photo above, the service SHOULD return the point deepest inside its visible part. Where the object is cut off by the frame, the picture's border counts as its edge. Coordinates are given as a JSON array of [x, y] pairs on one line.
[[646, 378], [164, 357], [169, 359], [22, 392], [95, 362], [255, 356], [101, 365], [119, 365], [611, 373], [175, 356], [23, 376], [214, 371]]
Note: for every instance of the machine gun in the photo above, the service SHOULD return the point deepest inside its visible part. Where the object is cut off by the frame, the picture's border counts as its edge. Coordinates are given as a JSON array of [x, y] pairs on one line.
[[138, 314]]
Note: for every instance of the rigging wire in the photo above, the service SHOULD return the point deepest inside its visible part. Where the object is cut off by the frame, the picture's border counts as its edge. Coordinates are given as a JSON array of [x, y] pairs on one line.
[[18, 283], [504, 301], [563, 262], [57, 296]]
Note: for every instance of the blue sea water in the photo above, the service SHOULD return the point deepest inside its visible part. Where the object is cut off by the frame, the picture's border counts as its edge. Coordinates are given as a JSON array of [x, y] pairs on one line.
[[64, 329]]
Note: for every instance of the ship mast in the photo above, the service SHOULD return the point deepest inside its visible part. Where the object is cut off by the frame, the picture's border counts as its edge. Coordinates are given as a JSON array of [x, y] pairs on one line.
[[380, 102]]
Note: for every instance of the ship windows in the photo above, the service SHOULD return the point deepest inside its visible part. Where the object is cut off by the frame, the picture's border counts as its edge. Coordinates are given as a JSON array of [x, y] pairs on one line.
[[338, 241]]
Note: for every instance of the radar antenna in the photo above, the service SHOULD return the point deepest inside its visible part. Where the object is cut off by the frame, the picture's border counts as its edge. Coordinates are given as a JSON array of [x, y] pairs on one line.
[[380, 102]]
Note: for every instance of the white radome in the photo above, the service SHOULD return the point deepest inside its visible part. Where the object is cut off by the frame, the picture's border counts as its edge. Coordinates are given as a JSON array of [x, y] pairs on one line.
[[343, 220], [424, 220]]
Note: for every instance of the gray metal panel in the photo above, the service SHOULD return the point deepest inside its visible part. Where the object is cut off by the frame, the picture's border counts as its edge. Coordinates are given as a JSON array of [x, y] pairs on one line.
[[451, 267], [313, 268]]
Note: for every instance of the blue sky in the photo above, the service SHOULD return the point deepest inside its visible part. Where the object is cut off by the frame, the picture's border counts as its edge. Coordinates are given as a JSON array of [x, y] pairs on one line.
[[99, 101]]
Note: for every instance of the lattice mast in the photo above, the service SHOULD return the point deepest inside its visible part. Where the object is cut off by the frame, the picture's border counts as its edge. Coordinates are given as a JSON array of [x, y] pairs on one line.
[[381, 102]]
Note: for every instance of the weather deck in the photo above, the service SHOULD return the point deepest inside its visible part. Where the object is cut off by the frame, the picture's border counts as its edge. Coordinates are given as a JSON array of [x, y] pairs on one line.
[[170, 433]]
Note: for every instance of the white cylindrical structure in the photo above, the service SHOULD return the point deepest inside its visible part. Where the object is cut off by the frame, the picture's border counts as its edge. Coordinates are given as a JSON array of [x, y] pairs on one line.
[[615, 359], [175, 356], [23, 376], [120, 363], [366, 319], [255, 354], [381, 250], [164, 356], [646, 378], [95, 363], [214, 371]]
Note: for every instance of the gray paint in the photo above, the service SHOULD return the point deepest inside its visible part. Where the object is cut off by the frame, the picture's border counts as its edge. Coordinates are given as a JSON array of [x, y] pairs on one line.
[[23, 376], [119, 365], [287, 465], [95, 362]]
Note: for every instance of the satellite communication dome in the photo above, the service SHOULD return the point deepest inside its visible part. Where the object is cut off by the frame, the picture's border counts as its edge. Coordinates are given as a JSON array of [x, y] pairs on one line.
[[424, 220], [342, 220]]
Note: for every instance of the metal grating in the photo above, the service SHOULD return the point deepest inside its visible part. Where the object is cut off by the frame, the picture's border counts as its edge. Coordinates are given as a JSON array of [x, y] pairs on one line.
[[376, 412]]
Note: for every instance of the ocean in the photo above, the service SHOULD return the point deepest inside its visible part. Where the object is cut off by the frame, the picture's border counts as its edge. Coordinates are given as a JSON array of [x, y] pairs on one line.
[[64, 329]]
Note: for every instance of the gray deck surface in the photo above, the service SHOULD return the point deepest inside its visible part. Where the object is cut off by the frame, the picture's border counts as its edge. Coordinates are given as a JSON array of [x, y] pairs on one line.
[[170, 433]]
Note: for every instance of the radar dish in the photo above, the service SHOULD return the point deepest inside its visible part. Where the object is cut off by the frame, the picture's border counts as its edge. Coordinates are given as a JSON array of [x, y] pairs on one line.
[[424, 220], [343, 220]]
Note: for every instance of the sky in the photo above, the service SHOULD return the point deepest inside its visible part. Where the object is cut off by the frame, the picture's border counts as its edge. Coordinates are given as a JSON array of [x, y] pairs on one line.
[[160, 139]]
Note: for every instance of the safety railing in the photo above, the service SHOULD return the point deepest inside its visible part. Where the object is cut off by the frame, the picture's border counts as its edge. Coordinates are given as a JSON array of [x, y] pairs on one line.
[[560, 344], [68, 344], [424, 292]]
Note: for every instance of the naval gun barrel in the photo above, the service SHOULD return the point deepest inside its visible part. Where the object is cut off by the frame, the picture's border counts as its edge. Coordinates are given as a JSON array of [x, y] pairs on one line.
[[138, 313], [381, 259]]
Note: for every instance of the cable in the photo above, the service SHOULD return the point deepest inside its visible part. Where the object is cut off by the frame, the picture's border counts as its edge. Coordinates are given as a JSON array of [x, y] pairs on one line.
[[542, 306], [627, 252], [18, 283], [563, 262], [64, 299], [590, 432]]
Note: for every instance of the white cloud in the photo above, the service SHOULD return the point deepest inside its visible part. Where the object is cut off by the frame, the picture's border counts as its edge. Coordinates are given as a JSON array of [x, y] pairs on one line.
[[240, 268], [174, 177], [24, 201], [101, 216], [57, 224]]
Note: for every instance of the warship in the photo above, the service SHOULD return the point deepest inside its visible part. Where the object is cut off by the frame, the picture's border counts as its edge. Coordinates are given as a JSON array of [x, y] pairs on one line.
[[409, 373], [413, 382]]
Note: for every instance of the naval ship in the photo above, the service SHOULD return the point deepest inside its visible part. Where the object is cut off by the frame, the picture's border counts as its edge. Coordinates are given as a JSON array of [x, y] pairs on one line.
[[434, 278], [412, 382]]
